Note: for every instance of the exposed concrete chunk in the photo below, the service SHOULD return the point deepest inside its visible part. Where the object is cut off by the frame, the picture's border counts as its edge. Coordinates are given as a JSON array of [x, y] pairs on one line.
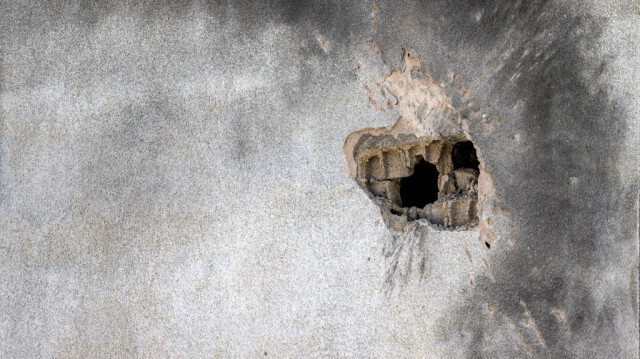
[[395, 165], [375, 168], [466, 178]]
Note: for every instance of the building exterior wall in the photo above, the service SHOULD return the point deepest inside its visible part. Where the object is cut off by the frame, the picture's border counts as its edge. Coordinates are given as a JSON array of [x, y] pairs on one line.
[[173, 180]]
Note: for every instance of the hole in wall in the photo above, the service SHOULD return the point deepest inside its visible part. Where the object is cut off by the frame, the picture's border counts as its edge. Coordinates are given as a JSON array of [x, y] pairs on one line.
[[425, 167], [424, 172], [463, 155], [421, 188], [432, 180]]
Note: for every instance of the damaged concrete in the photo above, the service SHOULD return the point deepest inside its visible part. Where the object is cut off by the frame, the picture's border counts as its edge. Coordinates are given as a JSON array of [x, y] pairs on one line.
[[429, 136], [172, 179], [384, 172]]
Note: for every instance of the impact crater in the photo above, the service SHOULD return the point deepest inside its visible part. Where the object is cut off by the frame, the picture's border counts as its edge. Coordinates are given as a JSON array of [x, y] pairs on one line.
[[425, 167]]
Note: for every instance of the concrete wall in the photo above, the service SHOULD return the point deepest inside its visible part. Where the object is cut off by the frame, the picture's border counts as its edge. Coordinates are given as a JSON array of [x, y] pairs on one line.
[[172, 181]]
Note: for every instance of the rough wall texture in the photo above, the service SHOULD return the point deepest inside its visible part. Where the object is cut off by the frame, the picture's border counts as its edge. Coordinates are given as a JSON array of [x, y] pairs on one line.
[[172, 180]]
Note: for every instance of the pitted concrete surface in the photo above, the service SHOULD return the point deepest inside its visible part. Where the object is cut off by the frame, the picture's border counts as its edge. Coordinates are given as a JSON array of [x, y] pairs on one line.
[[172, 181]]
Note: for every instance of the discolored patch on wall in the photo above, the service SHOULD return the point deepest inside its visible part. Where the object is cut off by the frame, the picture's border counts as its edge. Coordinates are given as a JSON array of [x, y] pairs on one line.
[[546, 287]]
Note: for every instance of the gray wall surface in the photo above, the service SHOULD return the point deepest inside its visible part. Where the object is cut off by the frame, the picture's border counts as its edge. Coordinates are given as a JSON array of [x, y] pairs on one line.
[[172, 181]]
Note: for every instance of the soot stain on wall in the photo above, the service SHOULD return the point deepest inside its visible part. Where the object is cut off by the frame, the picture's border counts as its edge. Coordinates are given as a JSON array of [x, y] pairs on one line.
[[549, 90], [559, 238]]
